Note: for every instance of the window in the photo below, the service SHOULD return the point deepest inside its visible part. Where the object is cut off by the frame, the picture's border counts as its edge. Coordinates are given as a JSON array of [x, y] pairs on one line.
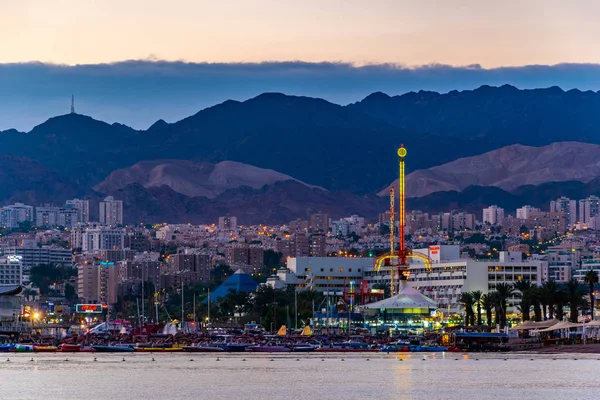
[[359, 270], [330, 269], [349, 269]]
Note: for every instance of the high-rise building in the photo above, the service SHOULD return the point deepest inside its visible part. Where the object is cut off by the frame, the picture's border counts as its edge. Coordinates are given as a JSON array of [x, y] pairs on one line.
[[140, 271], [302, 245], [493, 215], [11, 270], [249, 259], [567, 206], [227, 223], [12, 216], [83, 209], [320, 222], [56, 216], [318, 246], [588, 209], [32, 255], [97, 283], [194, 265], [102, 239], [298, 226], [523, 212], [111, 211]]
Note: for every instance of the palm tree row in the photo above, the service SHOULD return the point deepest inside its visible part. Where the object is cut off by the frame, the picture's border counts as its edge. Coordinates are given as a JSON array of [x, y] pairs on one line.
[[496, 300], [549, 300]]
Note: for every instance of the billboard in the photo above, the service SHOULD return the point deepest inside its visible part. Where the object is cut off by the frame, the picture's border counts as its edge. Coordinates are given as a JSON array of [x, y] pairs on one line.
[[89, 308]]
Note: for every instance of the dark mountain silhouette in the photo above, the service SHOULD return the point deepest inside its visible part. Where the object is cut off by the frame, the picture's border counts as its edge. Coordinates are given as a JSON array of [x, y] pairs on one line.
[[506, 114], [27, 181], [312, 140]]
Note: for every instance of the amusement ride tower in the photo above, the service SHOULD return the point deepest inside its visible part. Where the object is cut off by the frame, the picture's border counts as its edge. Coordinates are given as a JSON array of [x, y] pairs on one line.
[[398, 260]]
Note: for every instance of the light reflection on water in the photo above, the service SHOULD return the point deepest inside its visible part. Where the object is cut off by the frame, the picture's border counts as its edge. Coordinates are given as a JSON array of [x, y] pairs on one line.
[[292, 376]]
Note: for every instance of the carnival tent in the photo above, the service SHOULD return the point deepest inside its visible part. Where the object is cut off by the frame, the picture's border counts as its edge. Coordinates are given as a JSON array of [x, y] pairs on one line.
[[527, 325], [407, 301], [561, 325]]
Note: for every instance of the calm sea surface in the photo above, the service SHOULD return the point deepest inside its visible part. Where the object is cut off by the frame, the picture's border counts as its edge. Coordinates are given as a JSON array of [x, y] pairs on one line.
[[304, 376]]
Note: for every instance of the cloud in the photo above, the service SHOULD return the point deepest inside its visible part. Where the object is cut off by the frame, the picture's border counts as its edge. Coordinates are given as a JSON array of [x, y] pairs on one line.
[[138, 92]]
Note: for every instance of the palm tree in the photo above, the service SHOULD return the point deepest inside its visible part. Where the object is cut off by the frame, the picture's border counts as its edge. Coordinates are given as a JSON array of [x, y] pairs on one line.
[[575, 295], [505, 291], [497, 302], [549, 291], [477, 301], [524, 287], [487, 304], [466, 298], [561, 300], [591, 278]]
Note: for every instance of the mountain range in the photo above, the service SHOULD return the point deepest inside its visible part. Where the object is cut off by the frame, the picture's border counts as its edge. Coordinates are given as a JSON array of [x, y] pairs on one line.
[[276, 157]]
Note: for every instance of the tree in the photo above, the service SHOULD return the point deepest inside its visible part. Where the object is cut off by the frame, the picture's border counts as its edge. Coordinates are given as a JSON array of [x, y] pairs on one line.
[[477, 295], [466, 298], [576, 299], [549, 291], [70, 293], [220, 272], [525, 288], [561, 300], [505, 291], [487, 304], [591, 278], [387, 291]]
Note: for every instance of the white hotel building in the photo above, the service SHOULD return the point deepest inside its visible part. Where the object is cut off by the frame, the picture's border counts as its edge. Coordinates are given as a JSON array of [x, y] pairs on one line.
[[448, 277]]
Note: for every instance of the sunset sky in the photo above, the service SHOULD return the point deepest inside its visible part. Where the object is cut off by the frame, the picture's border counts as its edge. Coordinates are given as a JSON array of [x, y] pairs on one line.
[[184, 55], [458, 32]]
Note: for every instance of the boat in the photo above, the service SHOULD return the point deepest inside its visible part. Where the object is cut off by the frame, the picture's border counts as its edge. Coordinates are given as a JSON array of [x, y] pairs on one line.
[[5, 348], [203, 349], [395, 348], [158, 349], [235, 347], [269, 349], [347, 347], [113, 349], [44, 349], [429, 349], [303, 348], [23, 348]]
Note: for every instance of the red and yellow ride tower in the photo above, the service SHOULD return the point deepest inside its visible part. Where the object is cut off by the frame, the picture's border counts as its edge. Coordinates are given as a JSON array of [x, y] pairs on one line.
[[398, 260]]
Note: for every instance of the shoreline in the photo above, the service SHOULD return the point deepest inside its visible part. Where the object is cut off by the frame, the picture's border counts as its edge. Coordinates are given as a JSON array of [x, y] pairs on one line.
[[592, 348]]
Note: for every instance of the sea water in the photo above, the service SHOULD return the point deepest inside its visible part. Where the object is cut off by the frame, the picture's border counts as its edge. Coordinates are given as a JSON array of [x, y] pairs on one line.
[[298, 376]]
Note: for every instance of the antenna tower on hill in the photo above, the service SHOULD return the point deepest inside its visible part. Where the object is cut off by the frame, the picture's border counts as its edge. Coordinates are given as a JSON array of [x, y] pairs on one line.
[[72, 104]]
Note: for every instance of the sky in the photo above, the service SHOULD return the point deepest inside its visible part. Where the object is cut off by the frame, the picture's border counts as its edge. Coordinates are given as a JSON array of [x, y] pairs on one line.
[[111, 54]]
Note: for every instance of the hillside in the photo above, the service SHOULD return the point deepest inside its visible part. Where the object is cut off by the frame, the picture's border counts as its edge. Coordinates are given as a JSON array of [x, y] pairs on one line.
[[277, 203], [192, 179], [509, 168]]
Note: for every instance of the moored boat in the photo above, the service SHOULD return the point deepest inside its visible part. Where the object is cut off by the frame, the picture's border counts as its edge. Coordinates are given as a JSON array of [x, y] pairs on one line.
[[44, 349], [203, 349], [235, 347], [113, 349], [269, 349], [158, 349]]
